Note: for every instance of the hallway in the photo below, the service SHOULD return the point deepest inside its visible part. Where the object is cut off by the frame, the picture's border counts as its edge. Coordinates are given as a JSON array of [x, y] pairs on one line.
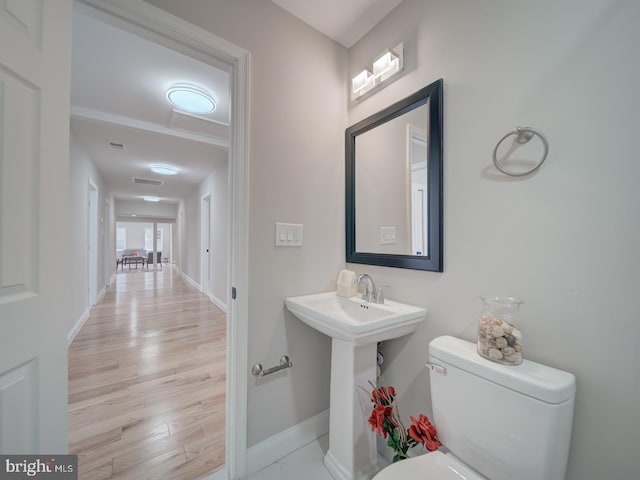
[[147, 382]]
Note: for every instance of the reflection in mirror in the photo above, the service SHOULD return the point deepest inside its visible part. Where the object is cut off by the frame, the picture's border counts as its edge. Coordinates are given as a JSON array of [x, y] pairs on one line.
[[394, 184], [391, 173]]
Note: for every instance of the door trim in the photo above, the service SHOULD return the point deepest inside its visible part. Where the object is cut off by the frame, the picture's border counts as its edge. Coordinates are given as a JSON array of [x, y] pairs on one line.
[[153, 23]]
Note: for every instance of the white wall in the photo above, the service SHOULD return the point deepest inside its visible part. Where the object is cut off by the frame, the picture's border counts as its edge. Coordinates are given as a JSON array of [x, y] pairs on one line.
[[136, 234], [215, 185], [81, 169], [149, 209], [191, 248], [298, 116], [565, 239]]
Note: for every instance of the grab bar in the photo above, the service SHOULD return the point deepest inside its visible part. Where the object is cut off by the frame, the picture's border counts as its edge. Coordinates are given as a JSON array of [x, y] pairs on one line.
[[258, 371]]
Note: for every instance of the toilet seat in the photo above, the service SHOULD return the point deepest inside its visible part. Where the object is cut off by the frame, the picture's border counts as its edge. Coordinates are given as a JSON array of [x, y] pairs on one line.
[[434, 466]]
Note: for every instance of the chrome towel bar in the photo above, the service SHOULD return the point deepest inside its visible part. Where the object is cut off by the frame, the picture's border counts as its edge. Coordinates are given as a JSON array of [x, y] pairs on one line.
[[258, 371]]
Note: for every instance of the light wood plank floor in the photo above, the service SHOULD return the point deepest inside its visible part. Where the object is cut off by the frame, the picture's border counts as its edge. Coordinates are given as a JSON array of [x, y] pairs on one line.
[[147, 382]]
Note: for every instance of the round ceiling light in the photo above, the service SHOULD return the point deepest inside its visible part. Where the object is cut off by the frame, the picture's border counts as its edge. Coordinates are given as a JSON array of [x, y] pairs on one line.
[[190, 98], [151, 199], [164, 169]]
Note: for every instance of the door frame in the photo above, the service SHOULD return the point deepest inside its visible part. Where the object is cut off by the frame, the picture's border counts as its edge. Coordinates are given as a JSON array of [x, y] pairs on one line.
[[154, 24]]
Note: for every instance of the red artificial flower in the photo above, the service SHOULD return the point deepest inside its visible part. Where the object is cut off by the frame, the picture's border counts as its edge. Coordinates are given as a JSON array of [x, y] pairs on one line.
[[383, 395], [423, 432], [377, 419]]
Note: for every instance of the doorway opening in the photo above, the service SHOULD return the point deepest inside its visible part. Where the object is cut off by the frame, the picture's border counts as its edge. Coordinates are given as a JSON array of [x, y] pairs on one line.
[[161, 27]]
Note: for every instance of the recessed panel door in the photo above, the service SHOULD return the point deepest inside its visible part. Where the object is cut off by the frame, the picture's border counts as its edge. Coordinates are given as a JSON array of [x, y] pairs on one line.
[[35, 52]]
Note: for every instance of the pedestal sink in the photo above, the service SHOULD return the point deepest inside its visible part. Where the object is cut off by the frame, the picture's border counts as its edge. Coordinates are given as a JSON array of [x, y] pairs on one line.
[[355, 327]]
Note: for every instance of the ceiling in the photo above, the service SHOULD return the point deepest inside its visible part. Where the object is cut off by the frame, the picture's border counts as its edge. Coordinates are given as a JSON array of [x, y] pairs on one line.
[[344, 21], [118, 95]]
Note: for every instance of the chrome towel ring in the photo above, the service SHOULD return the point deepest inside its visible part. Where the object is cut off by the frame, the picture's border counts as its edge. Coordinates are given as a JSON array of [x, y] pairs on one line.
[[523, 135]]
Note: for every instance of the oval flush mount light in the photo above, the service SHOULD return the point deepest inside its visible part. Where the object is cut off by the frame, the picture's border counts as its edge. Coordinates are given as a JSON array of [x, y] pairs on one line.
[[190, 98], [164, 169], [151, 199]]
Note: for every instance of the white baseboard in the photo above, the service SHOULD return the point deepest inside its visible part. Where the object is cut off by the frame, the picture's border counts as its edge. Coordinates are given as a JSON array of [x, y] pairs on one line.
[[191, 281], [73, 333], [282, 444], [219, 475], [101, 295], [217, 302]]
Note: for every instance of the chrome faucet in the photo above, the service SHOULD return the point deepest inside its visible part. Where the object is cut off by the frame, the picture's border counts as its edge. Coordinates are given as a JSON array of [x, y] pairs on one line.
[[370, 293]]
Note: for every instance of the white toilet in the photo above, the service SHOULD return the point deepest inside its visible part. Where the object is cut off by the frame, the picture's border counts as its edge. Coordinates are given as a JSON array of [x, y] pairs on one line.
[[495, 421]]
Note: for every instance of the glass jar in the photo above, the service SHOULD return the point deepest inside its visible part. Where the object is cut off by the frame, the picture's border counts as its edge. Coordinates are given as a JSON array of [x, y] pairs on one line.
[[499, 335]]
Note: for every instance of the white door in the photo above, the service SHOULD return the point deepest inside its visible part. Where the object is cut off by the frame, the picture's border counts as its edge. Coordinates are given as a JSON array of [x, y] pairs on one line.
[[92, 244], [417, 219], [35, 64], [205, 228]]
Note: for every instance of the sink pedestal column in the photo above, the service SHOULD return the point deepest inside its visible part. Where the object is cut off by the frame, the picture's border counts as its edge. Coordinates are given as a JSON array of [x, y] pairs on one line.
[[352, 445]]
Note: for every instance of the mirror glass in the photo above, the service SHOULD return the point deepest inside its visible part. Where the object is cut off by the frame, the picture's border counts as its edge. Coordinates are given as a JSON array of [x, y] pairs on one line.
[[394, 184]]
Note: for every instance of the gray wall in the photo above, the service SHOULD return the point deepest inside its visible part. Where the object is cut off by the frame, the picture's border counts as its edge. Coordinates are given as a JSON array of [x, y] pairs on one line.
[[565, 239], [298, 116]]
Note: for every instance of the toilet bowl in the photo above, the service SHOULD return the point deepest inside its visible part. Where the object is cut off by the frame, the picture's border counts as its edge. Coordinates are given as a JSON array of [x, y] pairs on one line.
[[433, 466], [496, 422]]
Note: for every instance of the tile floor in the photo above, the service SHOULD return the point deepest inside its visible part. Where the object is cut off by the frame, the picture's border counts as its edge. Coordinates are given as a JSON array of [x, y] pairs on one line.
[[305, 463]]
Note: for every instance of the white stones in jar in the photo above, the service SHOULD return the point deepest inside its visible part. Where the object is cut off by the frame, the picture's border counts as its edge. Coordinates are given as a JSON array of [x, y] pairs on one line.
[[499, 341]]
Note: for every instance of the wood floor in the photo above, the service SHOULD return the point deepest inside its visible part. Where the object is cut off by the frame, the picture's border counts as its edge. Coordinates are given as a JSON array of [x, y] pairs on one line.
[[147, 382]]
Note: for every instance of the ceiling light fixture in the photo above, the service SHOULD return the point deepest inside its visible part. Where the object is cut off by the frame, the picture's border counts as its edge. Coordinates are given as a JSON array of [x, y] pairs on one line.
[[386, 66], [190, 98], [164, 169], [151, 199]]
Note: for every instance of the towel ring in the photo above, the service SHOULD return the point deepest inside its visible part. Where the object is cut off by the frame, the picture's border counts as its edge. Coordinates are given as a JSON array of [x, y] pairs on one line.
[[523, 135]]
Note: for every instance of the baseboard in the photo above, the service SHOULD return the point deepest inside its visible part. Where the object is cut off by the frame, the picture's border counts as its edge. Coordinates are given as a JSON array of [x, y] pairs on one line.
[[73, 333], [219, 475], [101, 295], [282, 444], [191, 281], [217, 302]]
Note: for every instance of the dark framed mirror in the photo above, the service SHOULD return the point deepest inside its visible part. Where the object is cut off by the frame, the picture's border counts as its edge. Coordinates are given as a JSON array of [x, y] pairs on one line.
[[394, 184]]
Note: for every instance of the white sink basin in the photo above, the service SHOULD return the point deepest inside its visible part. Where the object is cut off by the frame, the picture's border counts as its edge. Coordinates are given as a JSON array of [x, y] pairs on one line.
[[355, 320]]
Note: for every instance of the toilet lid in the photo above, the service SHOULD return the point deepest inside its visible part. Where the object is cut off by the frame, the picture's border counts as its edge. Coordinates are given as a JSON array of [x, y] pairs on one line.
[[432, 466]]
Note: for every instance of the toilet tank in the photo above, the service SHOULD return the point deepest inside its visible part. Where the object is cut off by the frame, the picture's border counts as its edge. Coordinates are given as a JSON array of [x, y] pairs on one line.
[[506, 422]]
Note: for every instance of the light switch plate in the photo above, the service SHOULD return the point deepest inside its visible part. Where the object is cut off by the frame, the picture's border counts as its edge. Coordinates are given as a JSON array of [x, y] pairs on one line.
[[387, 235], [289, 235]]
